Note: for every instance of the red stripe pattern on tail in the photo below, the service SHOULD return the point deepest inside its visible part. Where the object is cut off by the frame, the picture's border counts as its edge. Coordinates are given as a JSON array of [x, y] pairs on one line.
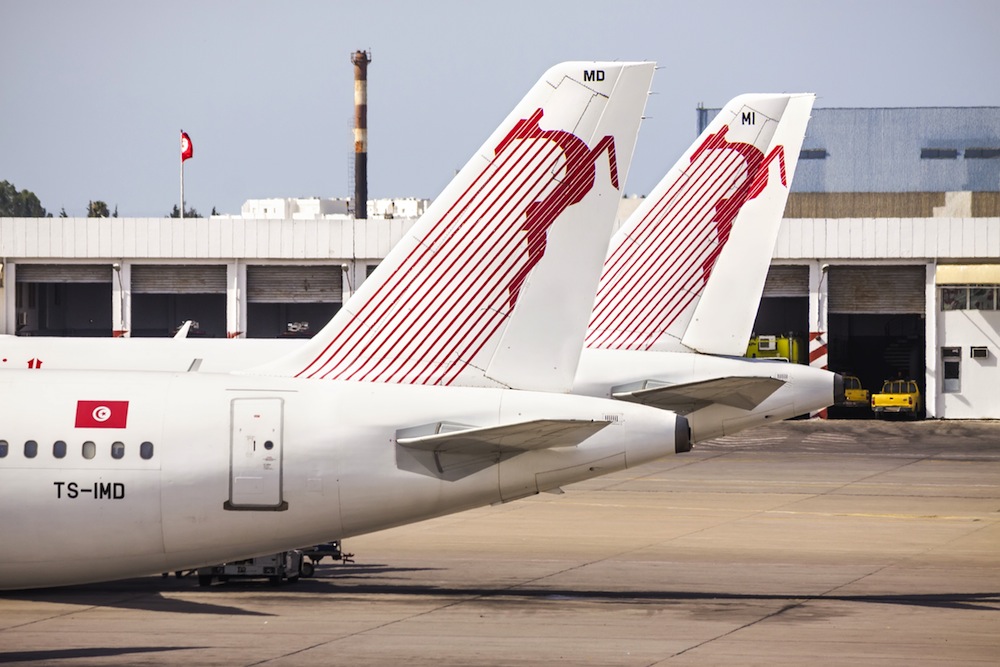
[[657, 270], [451, 293]]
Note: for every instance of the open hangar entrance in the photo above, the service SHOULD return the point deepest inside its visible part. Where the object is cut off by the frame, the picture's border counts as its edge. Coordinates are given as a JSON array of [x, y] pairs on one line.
[[63, 300], [286, 301], [876, 324], [164, 296], [784, 304]]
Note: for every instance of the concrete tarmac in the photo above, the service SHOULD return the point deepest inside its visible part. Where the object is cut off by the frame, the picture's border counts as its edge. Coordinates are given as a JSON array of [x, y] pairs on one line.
[[808, 542]]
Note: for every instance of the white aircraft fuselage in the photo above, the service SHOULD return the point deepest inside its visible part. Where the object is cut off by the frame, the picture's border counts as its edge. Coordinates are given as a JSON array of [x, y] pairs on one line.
[[209, 355], [238, 466], [804, 389]]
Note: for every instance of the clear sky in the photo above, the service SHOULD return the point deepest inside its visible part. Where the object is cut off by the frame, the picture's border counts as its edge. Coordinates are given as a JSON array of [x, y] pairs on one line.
[[94, 93]]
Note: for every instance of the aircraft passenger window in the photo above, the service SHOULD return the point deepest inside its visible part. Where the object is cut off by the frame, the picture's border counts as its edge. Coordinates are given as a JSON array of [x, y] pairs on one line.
[[89, 449], [59, 449], [3, 448], [117, 450], [146, 450], [30, 449]]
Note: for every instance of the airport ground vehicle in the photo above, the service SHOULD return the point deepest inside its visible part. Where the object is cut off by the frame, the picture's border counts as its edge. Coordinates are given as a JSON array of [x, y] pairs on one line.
[[276, 568], [285, 565], [787, 347], [898, 396], [855, 396], [314, 554]]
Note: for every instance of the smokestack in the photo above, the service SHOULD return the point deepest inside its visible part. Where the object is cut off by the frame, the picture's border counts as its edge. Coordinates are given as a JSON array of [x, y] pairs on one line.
[[360, 59]]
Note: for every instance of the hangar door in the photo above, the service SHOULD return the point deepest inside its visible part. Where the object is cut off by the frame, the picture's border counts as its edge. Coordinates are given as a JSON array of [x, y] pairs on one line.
[[64, 299], [164, 296], [876, 289], [292, 301], [784, 304], [876, 322]]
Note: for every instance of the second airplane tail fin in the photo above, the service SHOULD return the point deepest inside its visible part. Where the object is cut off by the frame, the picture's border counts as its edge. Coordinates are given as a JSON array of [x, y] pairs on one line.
[[494, 284], [687, 269]]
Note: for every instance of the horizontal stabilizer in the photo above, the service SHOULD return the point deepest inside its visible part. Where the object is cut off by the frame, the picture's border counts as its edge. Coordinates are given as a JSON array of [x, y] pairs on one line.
[[738, 392], [452, 451], [511, 438]]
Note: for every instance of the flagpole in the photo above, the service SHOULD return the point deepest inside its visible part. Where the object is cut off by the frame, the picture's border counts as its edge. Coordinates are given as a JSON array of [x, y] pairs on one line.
[[182, 177]]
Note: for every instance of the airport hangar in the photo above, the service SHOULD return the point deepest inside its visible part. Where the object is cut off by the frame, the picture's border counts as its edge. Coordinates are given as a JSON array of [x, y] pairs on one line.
[[887, 261]]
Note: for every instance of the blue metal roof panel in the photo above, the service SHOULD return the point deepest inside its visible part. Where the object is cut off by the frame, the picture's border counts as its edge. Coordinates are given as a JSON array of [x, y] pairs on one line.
[[879, 150]]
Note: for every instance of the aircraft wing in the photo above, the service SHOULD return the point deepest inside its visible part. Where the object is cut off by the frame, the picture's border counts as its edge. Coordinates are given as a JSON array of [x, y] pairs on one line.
[[511, 438], [738, 392]]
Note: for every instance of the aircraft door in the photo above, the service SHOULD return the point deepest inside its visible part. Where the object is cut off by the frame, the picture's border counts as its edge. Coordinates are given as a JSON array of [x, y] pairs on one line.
[[256, 455]]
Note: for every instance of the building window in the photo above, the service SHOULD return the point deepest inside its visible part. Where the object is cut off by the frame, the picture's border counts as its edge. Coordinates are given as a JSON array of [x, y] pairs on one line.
[[938, 153], [812, 154], [982, 298], [970, 297], [982, 153], [954, 298]]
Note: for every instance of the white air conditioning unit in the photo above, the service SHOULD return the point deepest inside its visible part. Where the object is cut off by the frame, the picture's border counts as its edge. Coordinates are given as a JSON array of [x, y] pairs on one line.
[[767, 343], [980, 352]]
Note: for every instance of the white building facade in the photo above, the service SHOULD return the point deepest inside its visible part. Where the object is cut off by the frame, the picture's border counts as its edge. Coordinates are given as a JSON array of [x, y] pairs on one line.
[[286, 277], [948, 269]]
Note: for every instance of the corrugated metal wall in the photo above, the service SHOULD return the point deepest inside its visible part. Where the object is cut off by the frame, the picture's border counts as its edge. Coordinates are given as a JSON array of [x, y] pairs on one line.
[[889, 238], [879, 150], [198, 238], [985, 204], [883, 204], [863, 204]]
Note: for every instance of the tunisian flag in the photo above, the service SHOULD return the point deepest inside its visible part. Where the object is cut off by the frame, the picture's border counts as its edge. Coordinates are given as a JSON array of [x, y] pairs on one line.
[[101, 414], [187, 148]]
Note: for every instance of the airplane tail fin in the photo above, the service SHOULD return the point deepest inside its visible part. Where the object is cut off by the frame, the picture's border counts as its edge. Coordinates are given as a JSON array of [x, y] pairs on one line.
[[494, 284], [687, 269]]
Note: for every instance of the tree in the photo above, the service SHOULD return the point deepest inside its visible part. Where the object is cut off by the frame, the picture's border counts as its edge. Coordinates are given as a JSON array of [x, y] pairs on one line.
[[97, 209], [188, 213], [23, 204], [62, 212]]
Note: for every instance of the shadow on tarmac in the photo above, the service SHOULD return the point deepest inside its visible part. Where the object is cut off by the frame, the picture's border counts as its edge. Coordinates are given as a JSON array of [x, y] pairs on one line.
[[148, 593], [64, 654]]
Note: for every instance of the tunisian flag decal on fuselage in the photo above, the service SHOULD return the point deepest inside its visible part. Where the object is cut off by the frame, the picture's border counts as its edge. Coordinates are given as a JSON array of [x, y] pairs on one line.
[[101, 414]]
